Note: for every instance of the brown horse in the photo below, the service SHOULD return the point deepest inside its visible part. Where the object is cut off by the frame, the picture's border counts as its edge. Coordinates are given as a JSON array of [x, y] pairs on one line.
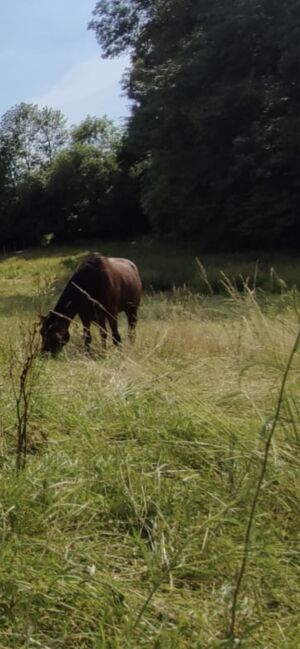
[[100, 288]]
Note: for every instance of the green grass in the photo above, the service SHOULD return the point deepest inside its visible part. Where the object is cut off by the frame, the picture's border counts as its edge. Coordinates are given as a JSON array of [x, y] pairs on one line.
[[142, 465], [163, 264]]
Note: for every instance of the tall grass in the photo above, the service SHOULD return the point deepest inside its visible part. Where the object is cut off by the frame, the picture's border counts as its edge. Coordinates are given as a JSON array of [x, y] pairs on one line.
[[126, 528]]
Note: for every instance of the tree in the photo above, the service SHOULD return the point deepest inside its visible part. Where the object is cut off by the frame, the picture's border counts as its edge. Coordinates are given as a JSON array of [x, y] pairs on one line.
[[32, 137], [79, 188], [72, 184], [90, 194], [216, 92], [7, 197], [100, 132], [29, 213]]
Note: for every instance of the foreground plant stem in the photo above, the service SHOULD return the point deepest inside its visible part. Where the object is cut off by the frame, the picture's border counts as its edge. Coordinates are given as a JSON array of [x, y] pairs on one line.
[[23, 395], [247, 541]]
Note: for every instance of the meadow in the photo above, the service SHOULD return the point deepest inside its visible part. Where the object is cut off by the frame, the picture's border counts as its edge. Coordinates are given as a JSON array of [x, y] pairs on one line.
[[129, 526]]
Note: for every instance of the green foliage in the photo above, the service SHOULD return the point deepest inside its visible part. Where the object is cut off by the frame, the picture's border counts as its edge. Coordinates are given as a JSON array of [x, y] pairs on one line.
[[28, 215], [31, 137], [90, 194], [100, 132], [77, 186], [69, 183], [215, 87]]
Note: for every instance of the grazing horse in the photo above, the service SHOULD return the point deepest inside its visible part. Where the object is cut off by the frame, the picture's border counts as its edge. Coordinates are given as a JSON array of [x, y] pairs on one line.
[[100, 288]]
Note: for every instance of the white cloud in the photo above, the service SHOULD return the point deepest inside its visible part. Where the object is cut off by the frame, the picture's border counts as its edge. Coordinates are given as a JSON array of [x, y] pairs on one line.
[[92, 86]]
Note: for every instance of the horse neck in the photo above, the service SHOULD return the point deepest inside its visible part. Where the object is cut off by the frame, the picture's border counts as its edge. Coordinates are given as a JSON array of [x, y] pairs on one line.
[[66, 305]]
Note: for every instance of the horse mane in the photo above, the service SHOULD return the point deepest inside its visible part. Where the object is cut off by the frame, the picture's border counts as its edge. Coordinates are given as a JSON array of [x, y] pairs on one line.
[[95, 260]]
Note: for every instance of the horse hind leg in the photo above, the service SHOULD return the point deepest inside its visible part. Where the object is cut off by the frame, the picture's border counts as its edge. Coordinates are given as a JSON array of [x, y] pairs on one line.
[[132, 321], [103, 331], [113, 323]]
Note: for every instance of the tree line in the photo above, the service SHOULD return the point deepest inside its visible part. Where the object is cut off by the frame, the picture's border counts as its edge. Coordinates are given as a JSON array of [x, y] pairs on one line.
[[65, 183], [211, 147]]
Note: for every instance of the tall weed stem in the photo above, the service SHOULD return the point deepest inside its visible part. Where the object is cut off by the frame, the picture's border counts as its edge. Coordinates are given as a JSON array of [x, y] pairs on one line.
[[247, 541]]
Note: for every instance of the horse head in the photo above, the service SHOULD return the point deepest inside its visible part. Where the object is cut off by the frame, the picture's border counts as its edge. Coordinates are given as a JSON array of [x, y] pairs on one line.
[[54, 333]]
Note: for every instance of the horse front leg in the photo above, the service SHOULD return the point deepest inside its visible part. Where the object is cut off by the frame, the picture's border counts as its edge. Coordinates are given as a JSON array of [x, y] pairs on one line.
[[87, 338]]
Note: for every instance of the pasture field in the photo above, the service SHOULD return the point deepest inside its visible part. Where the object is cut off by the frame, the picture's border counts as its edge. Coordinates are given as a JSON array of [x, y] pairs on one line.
[[126, 528]]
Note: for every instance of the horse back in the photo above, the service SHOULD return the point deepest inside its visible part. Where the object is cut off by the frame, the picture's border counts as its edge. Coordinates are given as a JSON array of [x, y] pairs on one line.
[[127, 283], [111, 282]]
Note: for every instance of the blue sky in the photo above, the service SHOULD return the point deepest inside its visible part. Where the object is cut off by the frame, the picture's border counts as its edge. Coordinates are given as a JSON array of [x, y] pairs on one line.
[[48, 57]]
